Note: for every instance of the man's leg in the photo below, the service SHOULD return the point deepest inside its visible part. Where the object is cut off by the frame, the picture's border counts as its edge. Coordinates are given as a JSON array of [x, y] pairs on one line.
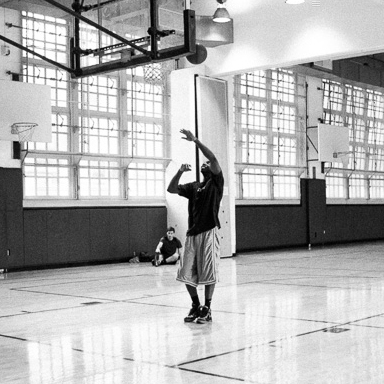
[[194, 312], [172, 259], [157, 260], [209, 289], [205, 310]]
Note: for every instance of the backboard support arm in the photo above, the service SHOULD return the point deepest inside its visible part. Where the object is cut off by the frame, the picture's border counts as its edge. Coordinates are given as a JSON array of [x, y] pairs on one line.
[[137, 55], [53, 62]]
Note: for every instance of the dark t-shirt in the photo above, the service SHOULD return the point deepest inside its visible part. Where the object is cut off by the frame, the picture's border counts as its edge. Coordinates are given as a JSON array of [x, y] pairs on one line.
[[204, 203], [169, 247]]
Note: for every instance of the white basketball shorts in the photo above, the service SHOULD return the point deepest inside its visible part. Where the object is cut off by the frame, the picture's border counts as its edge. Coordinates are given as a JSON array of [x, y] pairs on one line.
[[199, 263]]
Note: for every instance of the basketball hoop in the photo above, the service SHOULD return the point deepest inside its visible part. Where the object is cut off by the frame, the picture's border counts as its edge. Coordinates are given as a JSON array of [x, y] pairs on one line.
[[156, 73], [343, 157], [23, 130]]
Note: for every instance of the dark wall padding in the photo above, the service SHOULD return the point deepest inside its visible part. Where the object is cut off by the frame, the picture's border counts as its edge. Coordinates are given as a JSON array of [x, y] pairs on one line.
[[314, 200], [354, 223], [260, 226], [11, 217], [311, 222], [81, 235]]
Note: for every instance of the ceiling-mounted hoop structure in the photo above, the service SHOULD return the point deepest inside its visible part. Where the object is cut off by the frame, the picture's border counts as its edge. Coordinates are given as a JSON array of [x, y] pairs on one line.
[[139, 55]]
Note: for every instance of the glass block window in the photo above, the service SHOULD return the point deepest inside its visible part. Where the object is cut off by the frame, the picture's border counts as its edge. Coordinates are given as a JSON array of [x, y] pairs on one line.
[[270, 134], [362, 111]]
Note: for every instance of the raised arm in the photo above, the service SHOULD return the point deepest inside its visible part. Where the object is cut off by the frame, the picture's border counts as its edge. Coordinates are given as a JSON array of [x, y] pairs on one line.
[[173, 186], [214, 164]]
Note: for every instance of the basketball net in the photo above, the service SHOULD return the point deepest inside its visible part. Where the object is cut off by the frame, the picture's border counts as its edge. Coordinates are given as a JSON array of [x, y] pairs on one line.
[[156, 73], [342, 157], [23, 130]]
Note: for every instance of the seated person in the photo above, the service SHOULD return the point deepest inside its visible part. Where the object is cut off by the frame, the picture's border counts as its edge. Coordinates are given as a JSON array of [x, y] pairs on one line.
[[168, 249]]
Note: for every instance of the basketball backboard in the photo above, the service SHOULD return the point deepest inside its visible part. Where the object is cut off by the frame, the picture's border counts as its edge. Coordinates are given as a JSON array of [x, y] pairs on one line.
[[118, 34], [333, 142], [25, 103]]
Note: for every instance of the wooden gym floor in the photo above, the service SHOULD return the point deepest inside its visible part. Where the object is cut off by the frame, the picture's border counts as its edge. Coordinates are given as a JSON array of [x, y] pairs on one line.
[[288, 316]]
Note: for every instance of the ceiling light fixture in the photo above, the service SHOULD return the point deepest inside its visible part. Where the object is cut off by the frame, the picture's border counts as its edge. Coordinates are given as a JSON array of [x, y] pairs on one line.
[[221, 14], [294, 1]]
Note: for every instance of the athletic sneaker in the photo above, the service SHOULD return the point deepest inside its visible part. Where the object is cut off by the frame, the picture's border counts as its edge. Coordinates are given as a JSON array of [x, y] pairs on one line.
[[204, 315], [193, 314]]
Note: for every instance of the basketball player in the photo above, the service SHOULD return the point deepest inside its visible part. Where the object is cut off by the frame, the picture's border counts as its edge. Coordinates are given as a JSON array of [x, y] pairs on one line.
[[199, 263]]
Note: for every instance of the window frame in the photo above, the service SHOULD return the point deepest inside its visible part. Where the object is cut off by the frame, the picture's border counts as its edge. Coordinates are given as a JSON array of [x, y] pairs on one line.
[[77, 114], [269, 167], [361, 123]]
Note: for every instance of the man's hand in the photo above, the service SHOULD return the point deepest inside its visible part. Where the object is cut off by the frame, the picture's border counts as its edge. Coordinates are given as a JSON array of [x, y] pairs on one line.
[[189, 136], [173, 186], [185, 168]]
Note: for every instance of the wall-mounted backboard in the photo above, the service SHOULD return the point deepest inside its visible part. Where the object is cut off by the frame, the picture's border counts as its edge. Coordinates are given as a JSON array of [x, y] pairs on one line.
[[333, 142], [25, 103]]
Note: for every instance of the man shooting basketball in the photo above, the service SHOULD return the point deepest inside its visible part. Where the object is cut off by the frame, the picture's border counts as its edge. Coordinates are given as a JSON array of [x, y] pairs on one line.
[[199, 263]]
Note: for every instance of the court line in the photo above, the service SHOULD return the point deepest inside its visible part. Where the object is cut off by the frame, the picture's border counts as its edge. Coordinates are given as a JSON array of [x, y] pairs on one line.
[[278, 340], [129, 359]]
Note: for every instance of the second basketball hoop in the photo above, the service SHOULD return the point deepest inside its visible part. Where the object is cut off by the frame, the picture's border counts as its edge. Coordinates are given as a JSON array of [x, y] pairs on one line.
[[24, 130]]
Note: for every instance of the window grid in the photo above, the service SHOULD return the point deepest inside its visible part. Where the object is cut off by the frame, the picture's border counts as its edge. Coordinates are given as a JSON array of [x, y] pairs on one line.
[[267, 119], [377, 187], [285, 184], [362, 110], [146, 139], [45, 35], [99, 93], [95, 136], [335, 185], [284, 151], [253, 84], [99, 179], [143, 99], [46, 178], [257, 150], [255, 183], [99, 136], [145, 179], [357, 187]]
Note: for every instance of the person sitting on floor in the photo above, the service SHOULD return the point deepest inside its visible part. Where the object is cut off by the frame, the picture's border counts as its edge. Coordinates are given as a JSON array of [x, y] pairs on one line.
[[168, 249]]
